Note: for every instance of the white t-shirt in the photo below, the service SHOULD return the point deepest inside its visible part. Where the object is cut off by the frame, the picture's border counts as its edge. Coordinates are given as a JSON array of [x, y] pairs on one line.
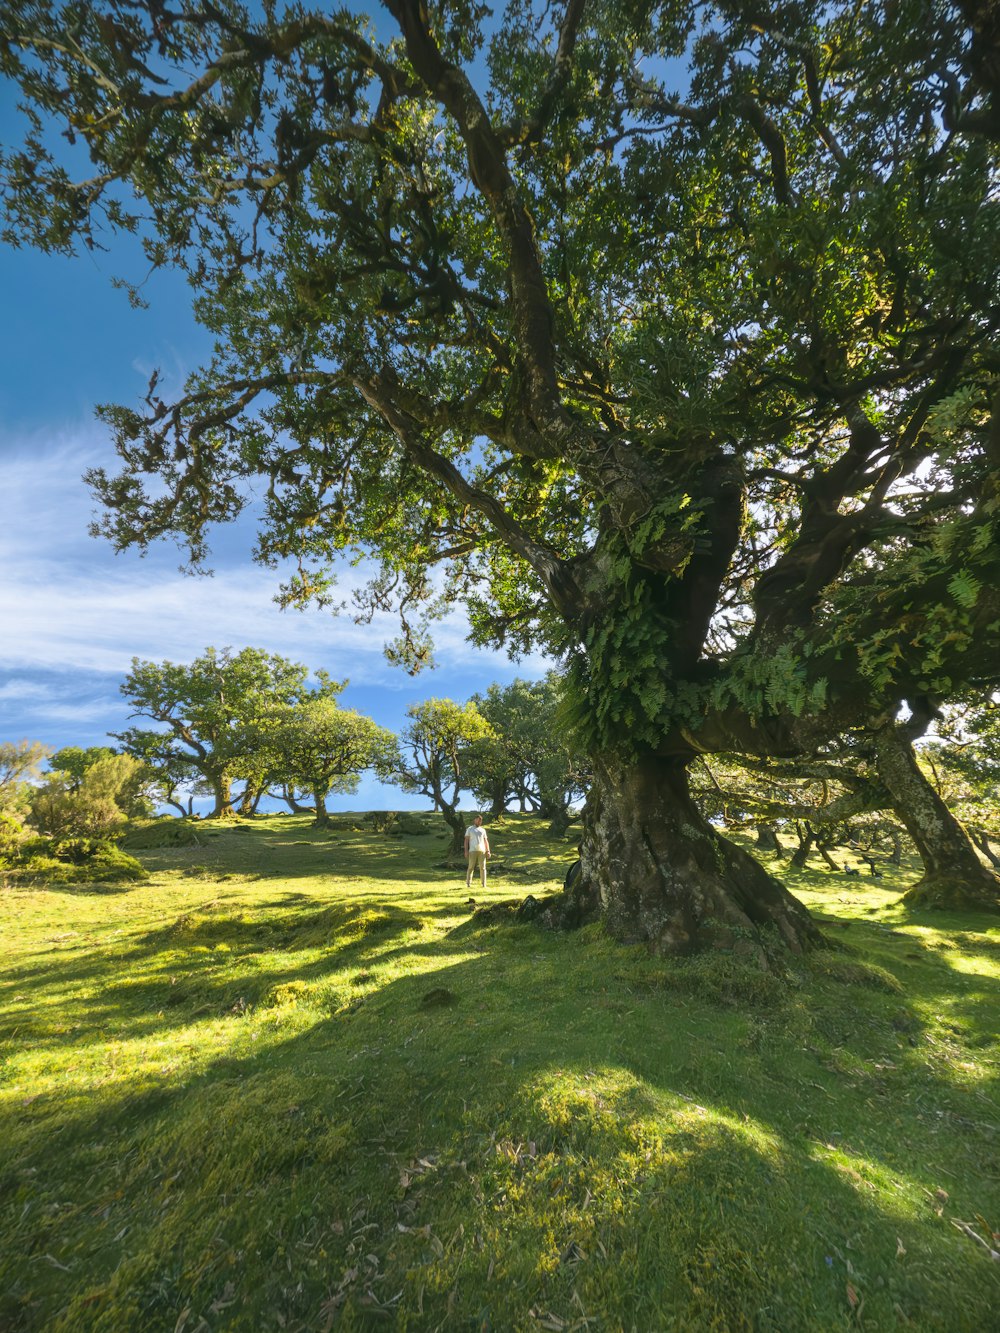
[[477, 838]]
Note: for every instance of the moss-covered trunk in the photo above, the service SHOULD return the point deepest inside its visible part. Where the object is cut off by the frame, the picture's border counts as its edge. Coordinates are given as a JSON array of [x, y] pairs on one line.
[[954, 876], [664, 876], [456, 826], [322, 819], [222, 792]]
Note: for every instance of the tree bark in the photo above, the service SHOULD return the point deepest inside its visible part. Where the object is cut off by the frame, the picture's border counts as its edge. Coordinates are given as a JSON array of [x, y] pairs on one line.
[[288, 796], [222, 792], [322, 819], [954, 876], [665, 877], [801, 854], [767, 841]]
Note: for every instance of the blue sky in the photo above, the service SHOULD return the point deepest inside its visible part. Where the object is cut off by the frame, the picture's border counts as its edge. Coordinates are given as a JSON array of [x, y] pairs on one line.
[[72, 612]]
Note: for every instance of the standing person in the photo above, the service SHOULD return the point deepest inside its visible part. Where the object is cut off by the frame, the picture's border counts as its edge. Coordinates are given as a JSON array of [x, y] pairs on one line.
[[477, 851]]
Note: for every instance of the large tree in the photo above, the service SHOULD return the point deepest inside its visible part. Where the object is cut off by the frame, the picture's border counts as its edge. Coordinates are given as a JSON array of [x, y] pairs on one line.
[[211, 712], [668, 331], [319, 747]]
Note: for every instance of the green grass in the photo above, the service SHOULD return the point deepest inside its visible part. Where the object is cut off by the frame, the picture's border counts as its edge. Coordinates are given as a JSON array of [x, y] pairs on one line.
[[288, 1083]]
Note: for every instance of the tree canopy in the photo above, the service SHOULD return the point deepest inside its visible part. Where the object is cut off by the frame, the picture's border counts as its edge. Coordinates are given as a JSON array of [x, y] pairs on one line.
[[211, 711], [432, 756], [665, 333], [318, 747]]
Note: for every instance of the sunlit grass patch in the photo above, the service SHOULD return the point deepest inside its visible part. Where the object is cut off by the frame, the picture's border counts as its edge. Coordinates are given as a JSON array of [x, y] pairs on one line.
[[304, 1087]]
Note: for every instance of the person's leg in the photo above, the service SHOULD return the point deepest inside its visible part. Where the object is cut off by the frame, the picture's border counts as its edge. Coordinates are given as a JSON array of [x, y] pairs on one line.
[[468, 869], [482, 868]]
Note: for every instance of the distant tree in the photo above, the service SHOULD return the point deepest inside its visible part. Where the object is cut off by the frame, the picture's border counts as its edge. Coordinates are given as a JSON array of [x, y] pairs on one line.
[[96, 804], [212, 710], [530, 760], [74, 760], [499, 768], [432, 757], [321, 748], [21, 763], [174, 778], [953, 874], [562, 771], [877, 770]]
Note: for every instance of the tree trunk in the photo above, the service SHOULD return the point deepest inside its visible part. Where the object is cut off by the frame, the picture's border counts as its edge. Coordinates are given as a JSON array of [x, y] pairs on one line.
[[982, 840], [954, 876], [455, 854], [666, 877], [767, 841], [249, 801], [288, 796], [222, 792], [896, 855], [825, 854], [322, 819], [801, 854], [559, 824], [498, 803]]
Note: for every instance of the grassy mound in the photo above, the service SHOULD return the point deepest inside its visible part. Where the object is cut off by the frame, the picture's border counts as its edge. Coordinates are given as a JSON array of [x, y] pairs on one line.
[[296, 1084], [167, 832]]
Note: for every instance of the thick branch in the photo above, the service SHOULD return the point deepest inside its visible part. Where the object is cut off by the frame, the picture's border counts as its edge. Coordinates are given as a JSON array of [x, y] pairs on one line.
[[547, 564], [533, 317]]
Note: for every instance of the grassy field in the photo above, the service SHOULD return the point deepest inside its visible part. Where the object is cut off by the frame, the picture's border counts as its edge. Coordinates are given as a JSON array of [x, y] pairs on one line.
[[290, 1082]]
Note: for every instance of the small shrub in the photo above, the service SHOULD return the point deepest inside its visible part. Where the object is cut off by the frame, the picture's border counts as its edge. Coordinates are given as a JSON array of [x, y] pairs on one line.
[[381, 821], [109, 864], [76, 851], [11, 837], [411, 826]]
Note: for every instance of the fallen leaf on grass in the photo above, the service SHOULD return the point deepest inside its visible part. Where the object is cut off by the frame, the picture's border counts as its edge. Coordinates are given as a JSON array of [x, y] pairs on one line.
[[974, 1235], [856, 1302], [546, 1319], [572, 1254]]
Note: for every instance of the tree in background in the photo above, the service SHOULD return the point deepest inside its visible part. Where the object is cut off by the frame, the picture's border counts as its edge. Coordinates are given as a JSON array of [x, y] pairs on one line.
[[94, 798], [500, 768], [20, 765], [319, 747], [212, 709], [953, 875], [433, 747], [823, 797], [530, 760], [174, 777], [963, 762], [689, 376]]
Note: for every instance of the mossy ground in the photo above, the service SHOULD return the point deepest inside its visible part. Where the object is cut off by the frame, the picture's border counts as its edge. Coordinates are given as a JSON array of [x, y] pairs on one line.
[[289, 1083]]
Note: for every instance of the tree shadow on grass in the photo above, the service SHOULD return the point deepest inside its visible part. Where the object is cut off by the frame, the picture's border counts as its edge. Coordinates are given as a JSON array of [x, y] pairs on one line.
[[199, 965], [567, 1105]]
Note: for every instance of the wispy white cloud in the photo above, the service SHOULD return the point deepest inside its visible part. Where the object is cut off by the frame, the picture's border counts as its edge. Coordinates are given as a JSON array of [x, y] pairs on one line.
[[70, 605], [18, 690]]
